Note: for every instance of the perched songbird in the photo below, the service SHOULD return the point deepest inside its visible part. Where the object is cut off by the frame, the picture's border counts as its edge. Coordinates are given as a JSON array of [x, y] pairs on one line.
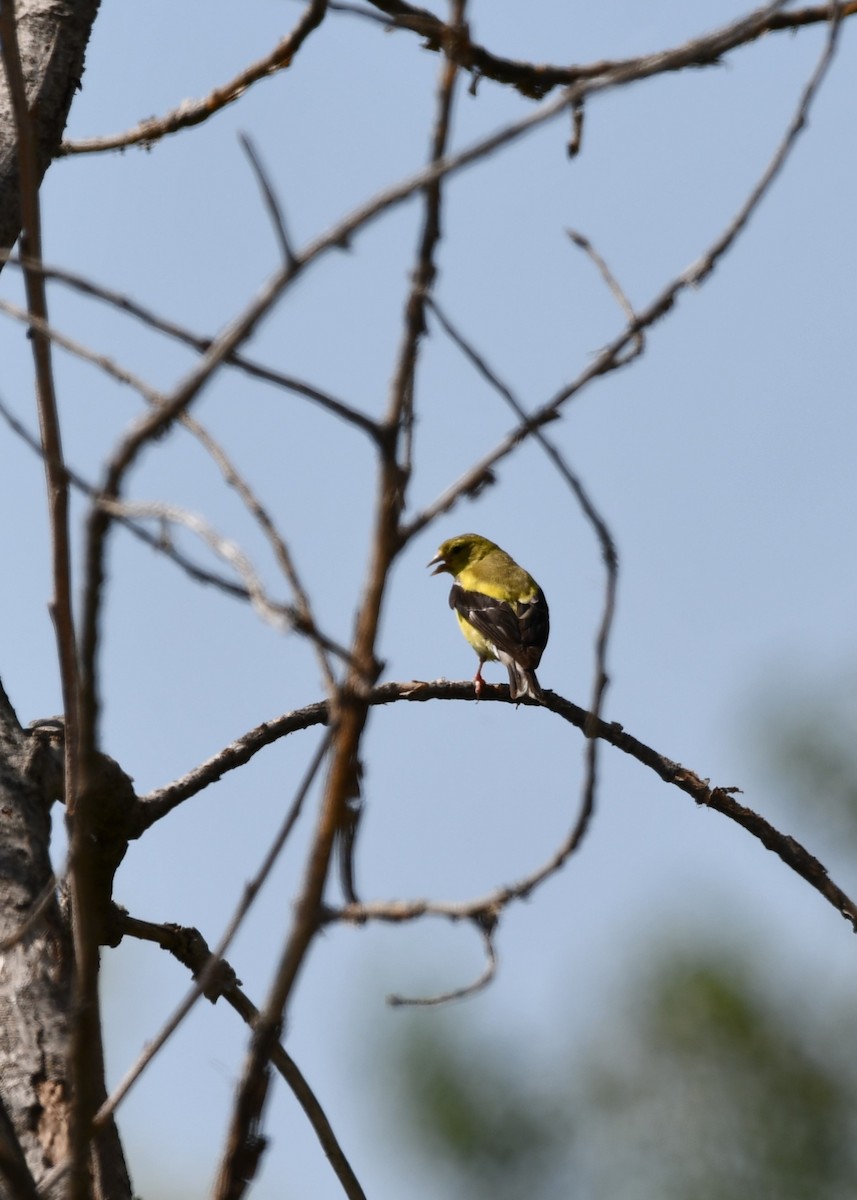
[[500, 608]]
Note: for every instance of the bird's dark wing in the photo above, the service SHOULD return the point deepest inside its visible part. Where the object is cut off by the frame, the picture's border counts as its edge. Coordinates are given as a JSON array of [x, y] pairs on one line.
[[519, 630], [534, 623]]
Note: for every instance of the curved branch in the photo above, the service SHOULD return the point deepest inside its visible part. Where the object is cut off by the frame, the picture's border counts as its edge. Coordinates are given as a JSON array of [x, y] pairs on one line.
[[486, 928], [536, 80], [195, 112], [721, 799]]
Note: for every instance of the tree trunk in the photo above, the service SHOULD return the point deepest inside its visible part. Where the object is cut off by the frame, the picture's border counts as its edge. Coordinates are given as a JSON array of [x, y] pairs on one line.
[[52, 38], [36, 978], [36, 975]]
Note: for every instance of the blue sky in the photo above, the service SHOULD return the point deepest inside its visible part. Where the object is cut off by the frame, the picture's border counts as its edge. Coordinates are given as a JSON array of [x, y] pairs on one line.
[[722, 461]]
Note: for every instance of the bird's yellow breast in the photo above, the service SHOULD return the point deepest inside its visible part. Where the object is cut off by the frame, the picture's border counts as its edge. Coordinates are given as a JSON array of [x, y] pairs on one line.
[[483, 648]]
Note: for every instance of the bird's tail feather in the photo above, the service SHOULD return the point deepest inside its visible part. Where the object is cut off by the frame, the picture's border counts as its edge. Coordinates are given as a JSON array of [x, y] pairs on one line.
[[523, 682]]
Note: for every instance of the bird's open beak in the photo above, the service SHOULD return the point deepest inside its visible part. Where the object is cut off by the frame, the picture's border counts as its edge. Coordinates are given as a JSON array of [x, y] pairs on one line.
[[441, 564]]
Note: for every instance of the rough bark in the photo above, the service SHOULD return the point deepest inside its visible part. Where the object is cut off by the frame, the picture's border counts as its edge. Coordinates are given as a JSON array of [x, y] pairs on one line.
[[52, 36], [36, 977]]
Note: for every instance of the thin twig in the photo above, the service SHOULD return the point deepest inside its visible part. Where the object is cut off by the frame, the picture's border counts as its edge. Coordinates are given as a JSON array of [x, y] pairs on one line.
[[302, 617], [621, 350], [229, 551], [470, 989], [72, 346], [576, 140], [154, 541], [195, 112], [191, 950], [618, 292], [198, 342], [400, 417], [299, 617], [272, 202]]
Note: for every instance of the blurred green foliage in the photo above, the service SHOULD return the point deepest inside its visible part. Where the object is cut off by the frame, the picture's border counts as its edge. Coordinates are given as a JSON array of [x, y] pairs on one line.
[[808, 744], [717, 1094], [703, 1090], [467, 1101]]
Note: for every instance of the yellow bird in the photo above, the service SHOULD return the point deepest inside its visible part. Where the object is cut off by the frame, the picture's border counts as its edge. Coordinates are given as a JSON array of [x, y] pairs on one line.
[[500, 608]]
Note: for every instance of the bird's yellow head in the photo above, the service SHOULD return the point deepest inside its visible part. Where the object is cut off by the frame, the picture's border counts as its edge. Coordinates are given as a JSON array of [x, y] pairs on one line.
[[459, 552]]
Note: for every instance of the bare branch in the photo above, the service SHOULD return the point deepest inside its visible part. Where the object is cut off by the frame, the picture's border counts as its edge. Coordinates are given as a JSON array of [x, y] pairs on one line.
[[415, 691], [349, 709], [223, 547], [400, 418], [719, 799], [301, 616], [195, 112], [621, 350], [272, 203], [199, 343], [610, 279], [72, 346], [530, 79], [214, 964], [536, 80], [154, 541], [189, 947]]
